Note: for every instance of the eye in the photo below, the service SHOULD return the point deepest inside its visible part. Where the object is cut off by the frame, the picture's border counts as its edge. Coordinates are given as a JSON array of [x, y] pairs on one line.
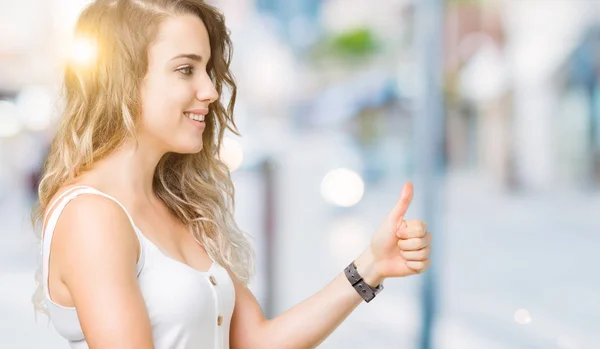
[[187, 70]]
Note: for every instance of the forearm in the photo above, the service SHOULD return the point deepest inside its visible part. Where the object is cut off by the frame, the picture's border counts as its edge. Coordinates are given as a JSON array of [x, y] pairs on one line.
[[310, 322]]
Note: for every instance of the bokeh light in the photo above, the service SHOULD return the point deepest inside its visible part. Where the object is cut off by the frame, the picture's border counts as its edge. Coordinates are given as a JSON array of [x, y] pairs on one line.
[[9, 119], [83, 51], [342, 187], [349, 236], [522, 317], [231, 153]]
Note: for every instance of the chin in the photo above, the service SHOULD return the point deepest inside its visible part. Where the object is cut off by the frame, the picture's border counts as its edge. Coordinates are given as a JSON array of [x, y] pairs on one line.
[[189, 149]]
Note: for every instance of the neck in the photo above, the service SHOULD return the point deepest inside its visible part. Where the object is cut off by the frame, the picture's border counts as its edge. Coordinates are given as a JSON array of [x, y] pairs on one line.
[[129, 170]]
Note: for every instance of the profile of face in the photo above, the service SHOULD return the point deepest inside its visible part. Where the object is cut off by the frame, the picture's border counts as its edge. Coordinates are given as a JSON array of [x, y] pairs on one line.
[[177, 90]]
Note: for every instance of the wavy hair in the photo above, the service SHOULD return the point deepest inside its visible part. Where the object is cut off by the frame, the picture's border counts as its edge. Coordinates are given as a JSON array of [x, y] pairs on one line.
[[102, 108]]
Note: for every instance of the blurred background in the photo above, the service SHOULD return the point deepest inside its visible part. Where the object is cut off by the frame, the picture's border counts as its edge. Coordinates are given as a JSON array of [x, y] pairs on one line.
[[491, 108]]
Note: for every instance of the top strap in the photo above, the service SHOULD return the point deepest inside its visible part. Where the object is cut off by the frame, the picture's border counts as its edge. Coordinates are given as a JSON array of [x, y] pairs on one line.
[[60, 204], [58, 200]]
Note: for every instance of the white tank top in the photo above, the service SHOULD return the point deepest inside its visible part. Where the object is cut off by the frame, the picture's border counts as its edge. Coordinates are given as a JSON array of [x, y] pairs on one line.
[[187, 308]]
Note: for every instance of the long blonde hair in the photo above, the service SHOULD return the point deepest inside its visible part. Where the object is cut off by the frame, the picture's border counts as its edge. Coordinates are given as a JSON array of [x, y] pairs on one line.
[[102, 109]]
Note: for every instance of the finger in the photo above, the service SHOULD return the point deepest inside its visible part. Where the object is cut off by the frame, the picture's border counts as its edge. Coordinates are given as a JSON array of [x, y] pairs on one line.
[[414, 244], [418, 266], [412, 229], [403, 203], [419, 255]]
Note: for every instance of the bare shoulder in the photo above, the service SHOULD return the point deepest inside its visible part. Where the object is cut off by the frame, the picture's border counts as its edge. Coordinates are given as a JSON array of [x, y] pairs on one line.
[[94, 245], [93, 226]]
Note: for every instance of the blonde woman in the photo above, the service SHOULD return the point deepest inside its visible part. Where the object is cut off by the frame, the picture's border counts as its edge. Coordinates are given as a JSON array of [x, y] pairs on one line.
[[139, 246]]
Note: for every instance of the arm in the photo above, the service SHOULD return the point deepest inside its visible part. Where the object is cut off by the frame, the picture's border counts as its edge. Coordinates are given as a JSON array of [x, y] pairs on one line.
[[95, 248], [398, 248], [307, 324]]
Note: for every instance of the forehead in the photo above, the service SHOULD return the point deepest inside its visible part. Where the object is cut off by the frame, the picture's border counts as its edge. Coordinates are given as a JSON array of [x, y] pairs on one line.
[[184, 34]]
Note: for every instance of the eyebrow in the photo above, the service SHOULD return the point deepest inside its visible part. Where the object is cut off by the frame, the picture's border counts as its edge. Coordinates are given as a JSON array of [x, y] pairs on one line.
[[192, 56]]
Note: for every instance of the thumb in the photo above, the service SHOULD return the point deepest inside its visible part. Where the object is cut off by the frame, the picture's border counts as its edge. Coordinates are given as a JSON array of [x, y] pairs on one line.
[[399, 211]]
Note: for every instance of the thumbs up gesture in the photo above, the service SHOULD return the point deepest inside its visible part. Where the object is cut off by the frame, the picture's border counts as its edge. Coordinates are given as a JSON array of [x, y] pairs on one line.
[[401, 247]]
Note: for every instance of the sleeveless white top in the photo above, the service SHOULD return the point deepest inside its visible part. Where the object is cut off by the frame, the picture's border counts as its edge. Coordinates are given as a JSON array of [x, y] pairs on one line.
[[187, 308]]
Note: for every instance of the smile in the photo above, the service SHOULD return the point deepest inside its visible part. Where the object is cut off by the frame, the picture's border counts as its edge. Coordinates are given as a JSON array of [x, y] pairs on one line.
[[197, 117]]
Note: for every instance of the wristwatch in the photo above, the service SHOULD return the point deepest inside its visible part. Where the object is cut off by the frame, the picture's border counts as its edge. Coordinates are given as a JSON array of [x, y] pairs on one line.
[[364, 290]]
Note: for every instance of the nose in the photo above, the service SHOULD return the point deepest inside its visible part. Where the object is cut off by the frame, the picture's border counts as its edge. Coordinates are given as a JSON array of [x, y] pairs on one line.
[[206, 91]]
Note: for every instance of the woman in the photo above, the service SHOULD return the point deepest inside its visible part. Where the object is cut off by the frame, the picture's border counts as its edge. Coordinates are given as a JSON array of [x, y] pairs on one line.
[[139, 246]]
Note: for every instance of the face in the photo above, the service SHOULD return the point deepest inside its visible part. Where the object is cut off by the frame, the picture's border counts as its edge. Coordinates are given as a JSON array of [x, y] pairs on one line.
[[177, 90]]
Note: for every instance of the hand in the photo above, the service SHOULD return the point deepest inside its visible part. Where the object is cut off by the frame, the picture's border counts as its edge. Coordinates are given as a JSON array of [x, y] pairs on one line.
[[399, 247]]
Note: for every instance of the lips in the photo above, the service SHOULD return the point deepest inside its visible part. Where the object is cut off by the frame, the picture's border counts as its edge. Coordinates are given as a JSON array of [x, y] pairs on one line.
[[200, 111]]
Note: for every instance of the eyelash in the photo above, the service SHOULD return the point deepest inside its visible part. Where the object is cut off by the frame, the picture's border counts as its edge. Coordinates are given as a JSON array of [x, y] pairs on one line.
[[186, 68]]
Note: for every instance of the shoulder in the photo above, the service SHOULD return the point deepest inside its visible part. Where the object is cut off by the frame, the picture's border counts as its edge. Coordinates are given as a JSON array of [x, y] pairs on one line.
[[88, 209], [94, 246], [90, 228]]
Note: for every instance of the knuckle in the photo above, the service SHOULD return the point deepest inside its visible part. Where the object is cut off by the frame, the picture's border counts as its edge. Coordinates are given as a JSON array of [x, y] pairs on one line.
[[404, 234], [416, 244]]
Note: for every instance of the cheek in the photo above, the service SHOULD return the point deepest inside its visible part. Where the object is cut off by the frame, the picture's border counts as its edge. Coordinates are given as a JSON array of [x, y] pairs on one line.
[[163, 100]]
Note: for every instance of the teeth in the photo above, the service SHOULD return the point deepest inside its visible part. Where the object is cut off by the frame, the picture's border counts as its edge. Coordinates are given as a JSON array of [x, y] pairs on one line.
[[197, 117]]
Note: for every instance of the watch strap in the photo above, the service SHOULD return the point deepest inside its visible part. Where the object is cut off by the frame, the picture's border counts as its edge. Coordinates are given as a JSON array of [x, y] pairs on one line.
[[367, 292]]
